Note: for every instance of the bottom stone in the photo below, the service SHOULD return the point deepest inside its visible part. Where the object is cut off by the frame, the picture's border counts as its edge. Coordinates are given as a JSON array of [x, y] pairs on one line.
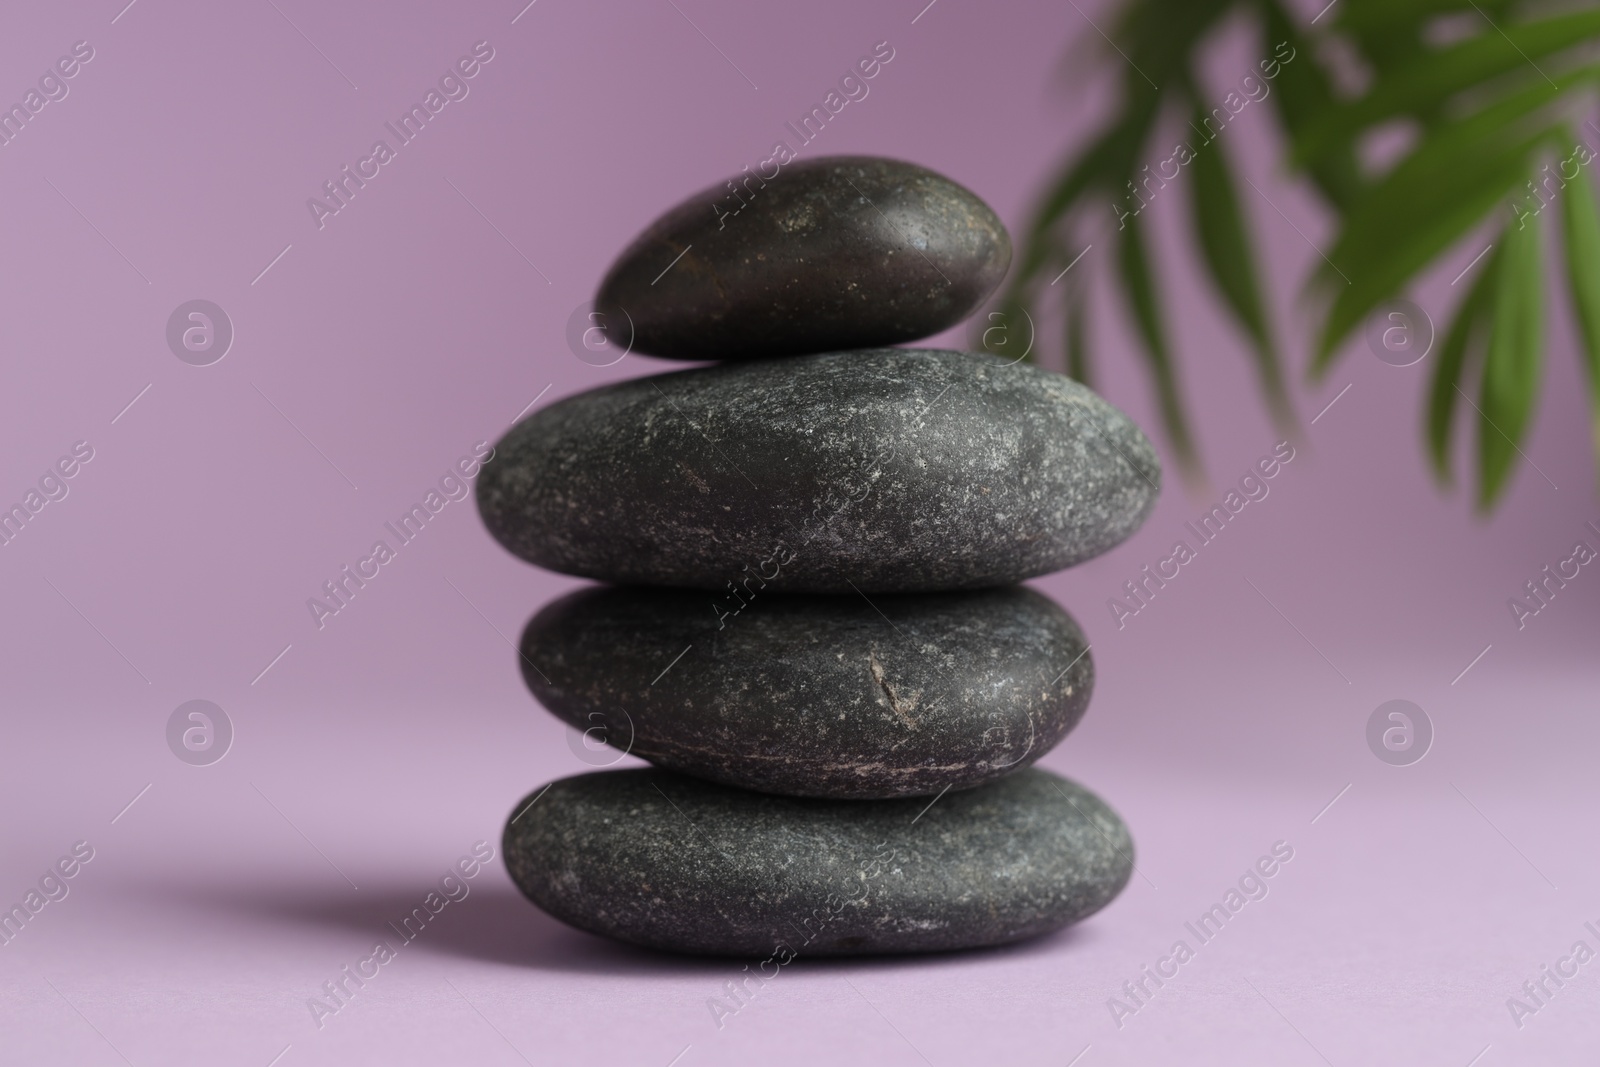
[[658, 859]]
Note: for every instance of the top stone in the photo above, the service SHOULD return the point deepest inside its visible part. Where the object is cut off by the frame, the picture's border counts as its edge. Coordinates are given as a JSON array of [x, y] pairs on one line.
[[833, 253]]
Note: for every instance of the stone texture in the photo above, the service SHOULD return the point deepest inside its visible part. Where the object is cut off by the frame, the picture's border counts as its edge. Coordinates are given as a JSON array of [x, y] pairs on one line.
[[892, 470], [659, 859], [842, 252], [818, 696]]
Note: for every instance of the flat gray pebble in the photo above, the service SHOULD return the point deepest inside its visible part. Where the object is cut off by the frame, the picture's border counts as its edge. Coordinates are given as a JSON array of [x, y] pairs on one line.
[[819, 696], [891, 470], [670, 862], [837, 252]]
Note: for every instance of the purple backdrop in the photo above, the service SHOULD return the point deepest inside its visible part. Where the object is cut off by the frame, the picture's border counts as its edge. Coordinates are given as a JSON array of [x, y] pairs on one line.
[[373, 350]]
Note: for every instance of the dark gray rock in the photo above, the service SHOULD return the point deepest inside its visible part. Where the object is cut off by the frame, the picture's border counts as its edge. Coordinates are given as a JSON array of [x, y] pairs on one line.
[[893, 470], [658, 859], [817, 696], [843, 252]]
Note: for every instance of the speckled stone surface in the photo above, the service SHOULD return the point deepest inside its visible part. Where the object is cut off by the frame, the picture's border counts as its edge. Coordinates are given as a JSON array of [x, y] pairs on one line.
[[840, 252], [891, 470], [658, 859], [816, 696]]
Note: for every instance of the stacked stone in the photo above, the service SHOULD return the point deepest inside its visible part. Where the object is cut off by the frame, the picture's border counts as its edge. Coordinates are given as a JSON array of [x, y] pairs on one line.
[[815, 635]]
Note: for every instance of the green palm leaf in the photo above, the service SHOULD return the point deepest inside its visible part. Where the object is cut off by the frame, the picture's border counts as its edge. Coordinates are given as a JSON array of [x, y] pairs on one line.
[[1403, 16], [1461, 346], [1482, 109], [1304, 91], [1075, 315], [1582, 233], [1512, 363], [1431, 78], [1220, 228], [1381, 260], [1140, 289], [1103, 165], [1428, 202]]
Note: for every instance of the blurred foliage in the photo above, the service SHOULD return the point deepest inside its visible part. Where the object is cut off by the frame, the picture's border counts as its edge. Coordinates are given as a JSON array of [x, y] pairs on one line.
[[1481, 96]]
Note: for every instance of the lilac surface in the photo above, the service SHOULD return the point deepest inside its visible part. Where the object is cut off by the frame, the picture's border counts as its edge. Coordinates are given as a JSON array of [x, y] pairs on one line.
[[377, 749]]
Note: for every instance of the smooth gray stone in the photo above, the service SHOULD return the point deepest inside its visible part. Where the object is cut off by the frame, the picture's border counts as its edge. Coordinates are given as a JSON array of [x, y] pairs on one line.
[[817, 696], [840, 252], [671, 862], [892, 470]]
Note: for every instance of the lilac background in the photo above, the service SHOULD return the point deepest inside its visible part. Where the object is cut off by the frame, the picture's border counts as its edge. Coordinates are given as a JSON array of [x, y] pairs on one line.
[[375, 751]]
